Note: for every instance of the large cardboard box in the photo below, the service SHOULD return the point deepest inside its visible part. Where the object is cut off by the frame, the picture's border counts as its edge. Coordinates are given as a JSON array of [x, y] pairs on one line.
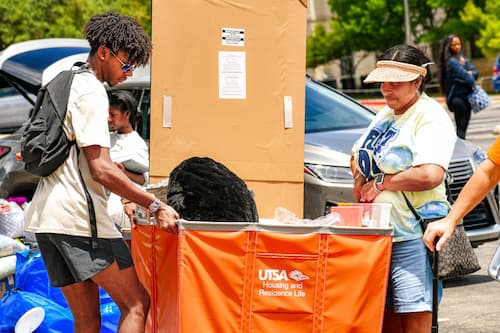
[[228, 82]]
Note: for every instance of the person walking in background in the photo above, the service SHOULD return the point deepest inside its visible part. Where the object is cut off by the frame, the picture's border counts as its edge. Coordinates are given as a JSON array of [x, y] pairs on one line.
[[59, 213], [129, 152], [407, 147], [457, 77]]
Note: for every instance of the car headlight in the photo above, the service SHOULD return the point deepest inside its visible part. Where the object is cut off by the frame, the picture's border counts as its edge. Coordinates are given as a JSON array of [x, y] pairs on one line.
[[329, 173], [478, 156]]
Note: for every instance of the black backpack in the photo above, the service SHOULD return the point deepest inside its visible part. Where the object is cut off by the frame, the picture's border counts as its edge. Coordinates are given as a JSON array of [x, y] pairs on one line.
[[44, 145]]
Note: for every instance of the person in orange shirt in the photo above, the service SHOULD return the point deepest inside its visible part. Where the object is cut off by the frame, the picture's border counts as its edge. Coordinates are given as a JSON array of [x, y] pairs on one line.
[[482, 181]]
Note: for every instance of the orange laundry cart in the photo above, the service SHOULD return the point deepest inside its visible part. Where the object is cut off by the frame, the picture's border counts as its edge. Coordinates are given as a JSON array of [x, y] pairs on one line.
[[255, 277]]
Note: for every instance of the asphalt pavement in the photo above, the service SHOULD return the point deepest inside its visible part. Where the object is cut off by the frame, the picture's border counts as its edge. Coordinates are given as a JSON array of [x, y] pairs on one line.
[[471, 304]]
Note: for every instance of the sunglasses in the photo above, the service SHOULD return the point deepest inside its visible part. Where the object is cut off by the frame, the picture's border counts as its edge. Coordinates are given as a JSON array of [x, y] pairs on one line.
[[125, 67]]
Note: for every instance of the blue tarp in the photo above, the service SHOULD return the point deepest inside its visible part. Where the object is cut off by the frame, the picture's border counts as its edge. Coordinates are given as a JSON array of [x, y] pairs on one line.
[[32, 288]]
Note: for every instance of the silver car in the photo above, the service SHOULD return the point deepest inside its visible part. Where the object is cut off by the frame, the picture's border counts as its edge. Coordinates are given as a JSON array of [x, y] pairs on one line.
[[29, 65], [14, 110], [334, 122]]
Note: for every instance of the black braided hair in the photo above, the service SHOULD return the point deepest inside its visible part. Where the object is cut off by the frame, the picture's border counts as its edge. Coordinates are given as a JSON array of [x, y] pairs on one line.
[[411, 55], [119, 32]]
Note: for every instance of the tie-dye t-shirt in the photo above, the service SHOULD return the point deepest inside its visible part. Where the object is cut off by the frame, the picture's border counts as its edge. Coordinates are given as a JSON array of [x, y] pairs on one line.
[[424, 134]]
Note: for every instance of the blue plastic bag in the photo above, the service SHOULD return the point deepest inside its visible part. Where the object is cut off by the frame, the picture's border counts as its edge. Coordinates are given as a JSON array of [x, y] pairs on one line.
[[31, 276], [15, 303], [110, 314]]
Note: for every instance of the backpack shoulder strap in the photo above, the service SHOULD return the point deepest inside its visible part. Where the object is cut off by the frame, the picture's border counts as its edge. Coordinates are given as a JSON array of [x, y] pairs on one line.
[[61, 83]]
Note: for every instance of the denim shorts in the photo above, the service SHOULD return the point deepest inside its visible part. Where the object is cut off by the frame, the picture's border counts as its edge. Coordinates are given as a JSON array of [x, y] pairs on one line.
[[71, 259], [410, 278]]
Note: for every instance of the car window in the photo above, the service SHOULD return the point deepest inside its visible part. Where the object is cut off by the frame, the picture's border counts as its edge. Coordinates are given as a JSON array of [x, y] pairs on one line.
[[142, 96], [14, 110], [328, 110], [8, 91]]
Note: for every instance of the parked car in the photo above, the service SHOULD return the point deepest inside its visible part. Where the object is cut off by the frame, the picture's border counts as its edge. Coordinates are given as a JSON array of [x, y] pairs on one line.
[[14, 110], [496, 74], [22, 66], [333, 121], [29, 65]]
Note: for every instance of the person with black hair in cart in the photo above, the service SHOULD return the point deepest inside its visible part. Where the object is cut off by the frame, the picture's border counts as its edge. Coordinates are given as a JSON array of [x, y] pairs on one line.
[[81, 256]]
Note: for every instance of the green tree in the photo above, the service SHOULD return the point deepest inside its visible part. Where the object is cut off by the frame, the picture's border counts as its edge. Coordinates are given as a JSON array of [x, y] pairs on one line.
[[319, 47], [446, 19], [375, 25], [22, 20], [369, 25], [488, 23]]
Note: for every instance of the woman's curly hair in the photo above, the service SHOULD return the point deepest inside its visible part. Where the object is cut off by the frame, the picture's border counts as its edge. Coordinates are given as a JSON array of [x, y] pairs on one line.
[[119, 32]]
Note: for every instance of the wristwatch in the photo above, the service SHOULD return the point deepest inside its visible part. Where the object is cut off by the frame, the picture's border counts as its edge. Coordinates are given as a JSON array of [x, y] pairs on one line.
[[379, 182], [154, 206]]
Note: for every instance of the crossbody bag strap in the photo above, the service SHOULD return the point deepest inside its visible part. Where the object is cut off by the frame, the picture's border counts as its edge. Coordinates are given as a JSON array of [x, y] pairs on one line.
[[90, 204], [412, 209], [410, 206]]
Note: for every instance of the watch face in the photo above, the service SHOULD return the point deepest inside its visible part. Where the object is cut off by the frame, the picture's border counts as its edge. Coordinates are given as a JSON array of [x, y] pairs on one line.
[[154, 206], [379, 180]]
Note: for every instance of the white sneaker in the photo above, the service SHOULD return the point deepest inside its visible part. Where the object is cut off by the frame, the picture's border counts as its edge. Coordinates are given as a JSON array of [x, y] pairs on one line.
[[496, 130]]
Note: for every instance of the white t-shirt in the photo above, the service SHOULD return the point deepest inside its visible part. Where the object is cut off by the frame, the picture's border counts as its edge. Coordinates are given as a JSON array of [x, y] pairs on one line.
[[129, 147], [424, 134], [59, 204]]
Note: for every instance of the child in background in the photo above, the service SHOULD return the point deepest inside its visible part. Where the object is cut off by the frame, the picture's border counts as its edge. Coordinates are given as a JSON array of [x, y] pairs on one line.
[[128, 150]]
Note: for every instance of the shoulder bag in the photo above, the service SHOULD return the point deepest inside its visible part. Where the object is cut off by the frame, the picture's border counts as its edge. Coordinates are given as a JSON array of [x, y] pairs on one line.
[[478, 99], [457, 257]]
